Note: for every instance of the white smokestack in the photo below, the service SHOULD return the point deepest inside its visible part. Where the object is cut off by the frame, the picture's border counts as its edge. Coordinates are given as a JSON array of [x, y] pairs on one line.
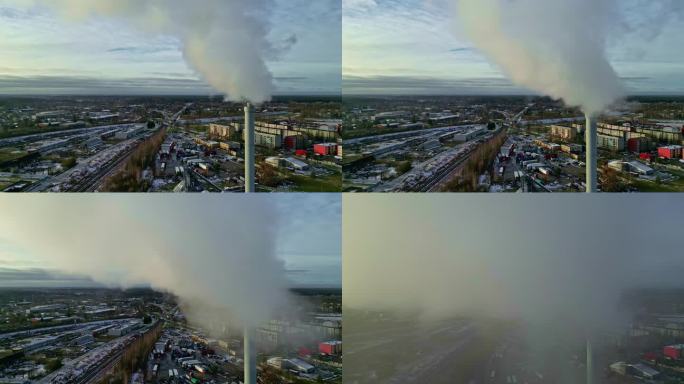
[[249, 356], [249, 148], [591, 138]]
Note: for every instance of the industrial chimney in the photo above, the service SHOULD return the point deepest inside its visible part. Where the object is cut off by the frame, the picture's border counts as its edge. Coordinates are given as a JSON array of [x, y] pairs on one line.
[[591, 138], [249, 148], [590, 363], [249, 356]]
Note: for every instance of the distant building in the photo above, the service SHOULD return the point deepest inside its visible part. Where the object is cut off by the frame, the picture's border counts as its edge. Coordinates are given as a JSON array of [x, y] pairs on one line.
[[571, 148], [469, 133], [564, 133], [93, 143], [670, 152], [330, 347], [638, 144], [325, 149], [300, 365], [611, 143], [675, 352], [48, 308], [431, 144], [268, 140], [84, 340], [123, 330], [223, 131], [391, 115], [633, 166], [128, 133], [290, 163]]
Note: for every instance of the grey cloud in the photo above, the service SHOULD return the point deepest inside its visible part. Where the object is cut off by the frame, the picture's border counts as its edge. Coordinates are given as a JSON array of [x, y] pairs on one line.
[[36, 277], [423, 85]]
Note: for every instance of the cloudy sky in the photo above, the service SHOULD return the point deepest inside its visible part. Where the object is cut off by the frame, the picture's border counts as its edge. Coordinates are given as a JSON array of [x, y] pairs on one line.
[[45, 240], [43, 53], [413, 46]]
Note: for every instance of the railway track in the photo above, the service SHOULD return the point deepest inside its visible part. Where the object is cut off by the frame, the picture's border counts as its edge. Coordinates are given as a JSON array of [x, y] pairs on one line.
[[94, 182]]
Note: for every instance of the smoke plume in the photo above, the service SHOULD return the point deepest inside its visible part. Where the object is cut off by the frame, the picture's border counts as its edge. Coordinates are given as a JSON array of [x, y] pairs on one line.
[[537, 261], [213, 253], [556, 48], [225, 41]]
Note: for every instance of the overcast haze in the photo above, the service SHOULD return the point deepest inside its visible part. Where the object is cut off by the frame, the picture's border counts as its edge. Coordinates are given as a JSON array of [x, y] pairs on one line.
[[537, 259]]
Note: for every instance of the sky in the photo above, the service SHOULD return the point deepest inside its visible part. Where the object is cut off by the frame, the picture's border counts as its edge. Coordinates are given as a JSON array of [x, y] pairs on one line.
[[36, 248], [44, 53], [417, 47]]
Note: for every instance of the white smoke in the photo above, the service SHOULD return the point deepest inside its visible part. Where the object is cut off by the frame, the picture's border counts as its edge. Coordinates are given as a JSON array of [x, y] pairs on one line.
[[213, 253], [225, 41], [557, 48], [509, 258]]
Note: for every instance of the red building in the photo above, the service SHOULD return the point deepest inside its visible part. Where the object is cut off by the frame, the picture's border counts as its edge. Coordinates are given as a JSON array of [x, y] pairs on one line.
[[326, 149], [646, 156], [638, 144], [674, 351], [300, 152], [670, 152], [330, 347], [290, 142]]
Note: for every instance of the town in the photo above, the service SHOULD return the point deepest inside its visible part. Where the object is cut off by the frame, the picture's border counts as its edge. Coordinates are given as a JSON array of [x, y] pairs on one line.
[[97, 335], [166, 144], [508, 144]]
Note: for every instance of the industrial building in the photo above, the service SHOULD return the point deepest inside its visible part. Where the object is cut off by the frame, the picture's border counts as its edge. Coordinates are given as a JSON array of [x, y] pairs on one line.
[[469, 133], [294, 364], [84, 340], [124, 329], [290, 163], [670, 152], [636, 370], [129, 133], [674, 352], [325, 149], [638, 144], [300, 365], [635, 167], [330, 347], [47, 308]]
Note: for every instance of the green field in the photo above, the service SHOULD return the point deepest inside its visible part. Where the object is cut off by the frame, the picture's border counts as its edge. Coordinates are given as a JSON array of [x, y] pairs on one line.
[[11, 154], [331, 183]]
